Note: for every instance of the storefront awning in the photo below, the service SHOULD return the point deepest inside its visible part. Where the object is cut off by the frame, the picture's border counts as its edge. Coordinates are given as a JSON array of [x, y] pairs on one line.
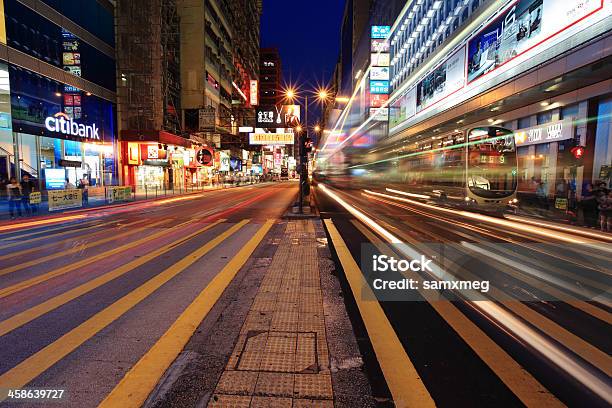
[[158, 136]]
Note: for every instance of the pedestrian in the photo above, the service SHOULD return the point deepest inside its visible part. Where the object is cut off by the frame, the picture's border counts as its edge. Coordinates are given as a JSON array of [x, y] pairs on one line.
[[68, 185], [27, 188], [605, 211], [14, 197], [589, 205], [84, 185]]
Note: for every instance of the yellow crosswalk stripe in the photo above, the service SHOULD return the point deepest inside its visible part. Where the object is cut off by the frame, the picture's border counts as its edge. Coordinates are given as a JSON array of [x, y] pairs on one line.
[[516, 378], [77, 248], [52, 244], [10, 236], [9, 290], [28, 315], [138, 383], [403, 380], [36, 364]]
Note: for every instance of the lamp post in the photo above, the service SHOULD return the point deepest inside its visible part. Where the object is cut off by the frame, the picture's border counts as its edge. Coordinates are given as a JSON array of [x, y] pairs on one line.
[[322, 96]]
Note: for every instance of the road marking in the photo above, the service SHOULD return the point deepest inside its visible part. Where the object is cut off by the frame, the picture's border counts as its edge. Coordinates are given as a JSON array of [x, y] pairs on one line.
[[77, 248], [38, 363], [7, 236], [9, 290], [28, 315], [516, 378], [21, 252], [137, 384], [402, 377], [10, 227]]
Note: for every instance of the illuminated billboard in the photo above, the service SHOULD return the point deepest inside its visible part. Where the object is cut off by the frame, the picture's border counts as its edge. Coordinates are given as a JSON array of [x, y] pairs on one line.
[[445, 79], [380, 31], [379, 73], [522, 26], [377, 100], [379, 45], [380, 59], [379, 87]]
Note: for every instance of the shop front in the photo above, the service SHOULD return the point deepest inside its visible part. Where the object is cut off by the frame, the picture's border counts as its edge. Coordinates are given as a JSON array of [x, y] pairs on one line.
[[162, 162], [46, 137]]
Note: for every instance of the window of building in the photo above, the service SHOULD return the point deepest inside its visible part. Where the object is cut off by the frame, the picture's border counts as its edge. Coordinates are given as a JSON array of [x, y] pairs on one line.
[[569, 112], [523, 123], [544, 117]]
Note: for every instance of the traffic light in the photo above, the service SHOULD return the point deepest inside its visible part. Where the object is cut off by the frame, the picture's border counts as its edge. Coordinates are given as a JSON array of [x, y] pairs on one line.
[[578, 154], [307, 145]]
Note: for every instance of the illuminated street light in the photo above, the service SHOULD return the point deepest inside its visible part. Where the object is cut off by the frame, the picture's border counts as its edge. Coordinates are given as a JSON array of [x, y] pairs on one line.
[[298, 128], [317, 128]]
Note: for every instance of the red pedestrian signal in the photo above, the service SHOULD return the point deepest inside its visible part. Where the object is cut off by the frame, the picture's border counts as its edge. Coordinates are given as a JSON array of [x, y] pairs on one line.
[[577, 152]]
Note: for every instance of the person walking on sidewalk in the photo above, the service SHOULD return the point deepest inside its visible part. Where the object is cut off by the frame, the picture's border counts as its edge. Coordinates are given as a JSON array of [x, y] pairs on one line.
[[14, 197], [27, 188], [605, 211], [84, 185]]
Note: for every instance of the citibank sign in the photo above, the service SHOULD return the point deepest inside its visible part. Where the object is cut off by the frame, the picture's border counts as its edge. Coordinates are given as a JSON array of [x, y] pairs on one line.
[[61, 123]]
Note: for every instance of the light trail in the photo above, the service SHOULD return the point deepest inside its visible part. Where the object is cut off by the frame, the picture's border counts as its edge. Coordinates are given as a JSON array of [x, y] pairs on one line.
[[501, 317], [497, 221], [40, 222]]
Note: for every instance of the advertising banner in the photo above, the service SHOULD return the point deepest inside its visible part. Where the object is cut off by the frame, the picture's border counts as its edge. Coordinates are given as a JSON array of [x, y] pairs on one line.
[[379, 45], [35, 197], [379, 73], [403, 107], [550, 132], [284, 116], [271, 138], [224, 161], [254, 92], [447, 78], [379, 87], [380, 31], [204, 156], [377, 100], [380, 114], [55, 178], [63, 199], [519, 28], [118, 193], [380, 59]]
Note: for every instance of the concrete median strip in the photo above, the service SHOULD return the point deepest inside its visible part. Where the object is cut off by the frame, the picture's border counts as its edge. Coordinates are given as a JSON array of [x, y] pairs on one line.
[[137, 384], [36, 364], [403, 380]]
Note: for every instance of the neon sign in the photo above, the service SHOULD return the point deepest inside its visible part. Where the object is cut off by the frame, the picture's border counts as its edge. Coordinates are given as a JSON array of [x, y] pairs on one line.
[[61, 123]]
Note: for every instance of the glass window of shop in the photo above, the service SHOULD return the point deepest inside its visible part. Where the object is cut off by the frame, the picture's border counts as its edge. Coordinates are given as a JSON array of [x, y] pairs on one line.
[[6, 133], [58, 133], [34, 35]]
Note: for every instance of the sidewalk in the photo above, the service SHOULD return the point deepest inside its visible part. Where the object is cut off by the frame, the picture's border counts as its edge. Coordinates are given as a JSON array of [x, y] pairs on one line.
[[280, 335]]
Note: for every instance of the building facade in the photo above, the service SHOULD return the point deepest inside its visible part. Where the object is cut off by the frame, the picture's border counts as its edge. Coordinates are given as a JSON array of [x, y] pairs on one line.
[[58, 112], [271, 77]]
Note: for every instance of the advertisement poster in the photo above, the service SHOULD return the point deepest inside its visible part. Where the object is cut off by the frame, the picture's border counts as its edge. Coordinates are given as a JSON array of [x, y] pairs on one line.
[[525, 24], [379, 45], [380, 31], [284, 116], [224, 161], [442, 81], [378, 100], [62, 199], [380, 60], [379, 87], [379, 114], [118, 193], [403, 107], [379, 73]]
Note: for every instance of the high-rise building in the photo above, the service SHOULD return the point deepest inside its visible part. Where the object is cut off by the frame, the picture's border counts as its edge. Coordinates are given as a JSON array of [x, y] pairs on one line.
[[57, 70], [219, 62], [270, 77], [148, 94]]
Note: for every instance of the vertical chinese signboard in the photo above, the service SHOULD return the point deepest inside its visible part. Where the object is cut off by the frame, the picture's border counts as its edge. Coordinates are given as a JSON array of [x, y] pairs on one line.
[[71, 61], [379, 73]]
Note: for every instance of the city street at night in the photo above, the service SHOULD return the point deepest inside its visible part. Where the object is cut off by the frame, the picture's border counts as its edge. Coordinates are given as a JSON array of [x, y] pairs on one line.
[[316, 204]]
